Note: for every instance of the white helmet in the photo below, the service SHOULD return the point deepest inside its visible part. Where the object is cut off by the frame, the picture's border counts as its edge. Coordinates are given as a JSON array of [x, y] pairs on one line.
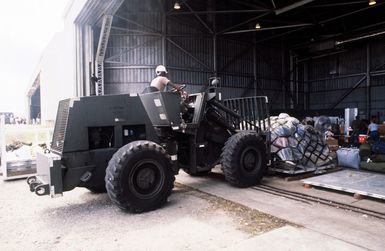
[[159, 69]]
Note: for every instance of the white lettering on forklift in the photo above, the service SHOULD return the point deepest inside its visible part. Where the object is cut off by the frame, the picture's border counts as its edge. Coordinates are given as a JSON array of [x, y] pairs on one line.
[[157, 102], [163, 116], [125, 132]]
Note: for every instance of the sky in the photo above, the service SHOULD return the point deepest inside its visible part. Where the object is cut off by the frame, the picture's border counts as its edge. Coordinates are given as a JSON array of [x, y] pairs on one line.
[[26, 28]]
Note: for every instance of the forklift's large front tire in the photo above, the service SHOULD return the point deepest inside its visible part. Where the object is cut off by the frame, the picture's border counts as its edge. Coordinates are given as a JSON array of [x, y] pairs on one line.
[[139, 177], [243, 159]]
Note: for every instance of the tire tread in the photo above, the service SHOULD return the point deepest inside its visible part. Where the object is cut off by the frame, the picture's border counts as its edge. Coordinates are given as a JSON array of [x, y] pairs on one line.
[[115, 168]]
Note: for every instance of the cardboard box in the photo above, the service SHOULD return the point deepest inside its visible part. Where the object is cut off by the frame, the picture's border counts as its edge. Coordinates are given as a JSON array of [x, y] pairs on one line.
[[381, 129], [331, 141]]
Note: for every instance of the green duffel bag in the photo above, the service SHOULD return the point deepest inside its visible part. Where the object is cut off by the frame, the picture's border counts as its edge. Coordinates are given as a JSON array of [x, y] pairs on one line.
[[365, 150], [372, 166], [378, 158]]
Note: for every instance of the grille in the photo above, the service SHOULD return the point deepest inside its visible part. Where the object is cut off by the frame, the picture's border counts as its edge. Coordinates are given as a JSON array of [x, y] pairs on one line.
[[253, 111], [60, 126]]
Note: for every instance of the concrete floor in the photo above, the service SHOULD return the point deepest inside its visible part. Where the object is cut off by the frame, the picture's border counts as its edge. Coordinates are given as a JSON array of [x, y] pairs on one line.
[[191, 220], [334, 195], [80, 220], [358, 230]]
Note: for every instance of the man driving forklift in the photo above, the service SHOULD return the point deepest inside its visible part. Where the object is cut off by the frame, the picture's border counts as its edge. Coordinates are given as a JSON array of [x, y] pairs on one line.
[[161, 81]]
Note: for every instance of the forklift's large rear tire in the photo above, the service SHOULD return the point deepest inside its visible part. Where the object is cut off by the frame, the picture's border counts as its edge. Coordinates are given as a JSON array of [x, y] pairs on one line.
[[243, 159], [139, 177]]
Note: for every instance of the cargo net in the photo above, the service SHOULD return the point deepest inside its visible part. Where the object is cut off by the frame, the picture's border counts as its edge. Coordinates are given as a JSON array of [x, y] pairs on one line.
[[297, 148]]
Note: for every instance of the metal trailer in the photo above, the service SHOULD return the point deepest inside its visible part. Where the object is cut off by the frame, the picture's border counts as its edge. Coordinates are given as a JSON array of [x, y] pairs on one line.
[[16, 164]]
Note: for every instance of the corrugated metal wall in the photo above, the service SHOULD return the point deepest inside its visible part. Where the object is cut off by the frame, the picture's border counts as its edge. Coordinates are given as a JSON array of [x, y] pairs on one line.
[[329, 78], [140, 40], [134, 47], [189, 52], [377, 80]]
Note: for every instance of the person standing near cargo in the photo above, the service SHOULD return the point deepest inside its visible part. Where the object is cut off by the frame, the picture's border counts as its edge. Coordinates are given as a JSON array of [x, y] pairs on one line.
[[358, 127], [373, 129], [161, 81]]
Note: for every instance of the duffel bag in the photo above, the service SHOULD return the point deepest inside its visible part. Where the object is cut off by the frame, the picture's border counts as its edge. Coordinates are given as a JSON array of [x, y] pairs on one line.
[[378, 158], [378, 147], [365, 150], [372, 166], [349, 157]]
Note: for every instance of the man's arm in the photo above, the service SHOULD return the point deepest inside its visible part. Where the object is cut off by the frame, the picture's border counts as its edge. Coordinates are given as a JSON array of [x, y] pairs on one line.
[[174, 86]]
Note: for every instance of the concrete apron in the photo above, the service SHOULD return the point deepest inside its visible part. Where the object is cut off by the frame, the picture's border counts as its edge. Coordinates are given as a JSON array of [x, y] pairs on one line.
[[321, 227]]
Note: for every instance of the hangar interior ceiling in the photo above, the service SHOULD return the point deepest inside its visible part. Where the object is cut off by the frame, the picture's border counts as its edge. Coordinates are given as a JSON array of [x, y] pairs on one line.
[[307, 55]]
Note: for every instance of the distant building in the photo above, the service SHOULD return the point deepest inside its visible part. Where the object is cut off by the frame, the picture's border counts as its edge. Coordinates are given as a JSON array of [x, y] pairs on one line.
[[8, 117], [67, 64]]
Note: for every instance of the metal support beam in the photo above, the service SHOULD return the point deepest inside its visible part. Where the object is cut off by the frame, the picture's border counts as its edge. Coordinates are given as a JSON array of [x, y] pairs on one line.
[[242, 23], [135, 32], [101, 53], [199, 18], [255, 4], [291, 89], [131, 67], [321, 56], [292, 6], [331, 36], [370, 26], [368, 89], [137, 24], [377, 73], [268, 28], [189, 54], [337, 77], [280, 35], [306, 103], [89, 60], [255, 68], [327, 5], [236, 57], [360, 38], [296, 76], [273, 3], [347, 93], [211, 5], [349, 13], [248, 87], [113, 57], [217, 12], [79, 83], [164, 34]]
